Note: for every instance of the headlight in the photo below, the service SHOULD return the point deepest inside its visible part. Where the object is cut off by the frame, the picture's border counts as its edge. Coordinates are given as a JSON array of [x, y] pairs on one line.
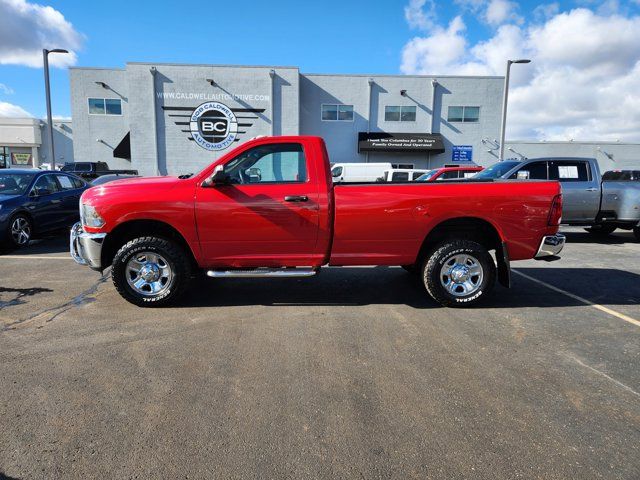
[[90, 217]]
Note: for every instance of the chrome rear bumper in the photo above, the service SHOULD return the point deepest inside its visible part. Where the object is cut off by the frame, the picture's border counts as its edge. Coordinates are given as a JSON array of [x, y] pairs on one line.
[[551, 246], [86, 248]]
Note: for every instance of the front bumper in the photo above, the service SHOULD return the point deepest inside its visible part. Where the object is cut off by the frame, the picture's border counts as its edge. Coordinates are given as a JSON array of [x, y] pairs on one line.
[[551, 246], [86, 248]]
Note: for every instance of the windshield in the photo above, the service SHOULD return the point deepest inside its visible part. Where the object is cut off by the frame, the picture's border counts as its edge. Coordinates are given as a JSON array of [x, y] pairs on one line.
[[15, 183], [426, 176], [497, 170]]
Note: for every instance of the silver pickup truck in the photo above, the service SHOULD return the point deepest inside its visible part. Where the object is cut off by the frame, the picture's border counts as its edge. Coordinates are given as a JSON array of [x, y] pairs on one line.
[[601, 206]]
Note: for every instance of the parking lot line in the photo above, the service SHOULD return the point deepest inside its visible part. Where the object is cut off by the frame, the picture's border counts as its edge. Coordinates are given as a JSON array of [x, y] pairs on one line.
[[30, 257], [597, 306]]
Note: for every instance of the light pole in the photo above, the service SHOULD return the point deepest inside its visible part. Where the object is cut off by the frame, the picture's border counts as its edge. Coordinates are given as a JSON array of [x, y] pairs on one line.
[[504, 103], [45, 57]]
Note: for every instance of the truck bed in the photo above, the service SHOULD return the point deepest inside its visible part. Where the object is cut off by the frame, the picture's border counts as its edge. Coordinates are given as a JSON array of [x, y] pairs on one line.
[[403, 214]]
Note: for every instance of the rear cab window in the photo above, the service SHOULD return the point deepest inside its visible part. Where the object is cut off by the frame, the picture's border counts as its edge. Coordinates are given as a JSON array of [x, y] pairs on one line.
[[571, 171]]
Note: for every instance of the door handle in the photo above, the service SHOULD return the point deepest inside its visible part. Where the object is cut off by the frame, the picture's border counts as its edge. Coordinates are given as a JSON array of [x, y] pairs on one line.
[[296, 198], [592, 189], [56, 201]]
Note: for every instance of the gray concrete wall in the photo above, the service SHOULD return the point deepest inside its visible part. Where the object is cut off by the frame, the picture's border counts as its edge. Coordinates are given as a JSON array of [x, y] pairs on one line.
[[341, 136], [62, 141], [88, 129], [610, 155], [178, 86]]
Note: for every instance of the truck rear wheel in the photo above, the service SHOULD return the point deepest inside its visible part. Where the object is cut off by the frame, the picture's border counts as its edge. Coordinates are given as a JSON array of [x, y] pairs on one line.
[[459, 273], [151, 271], [636, 232]]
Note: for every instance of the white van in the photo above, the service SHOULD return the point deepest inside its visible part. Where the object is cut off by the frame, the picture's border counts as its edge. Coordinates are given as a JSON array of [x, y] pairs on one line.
[[402, 174], [359, 172]]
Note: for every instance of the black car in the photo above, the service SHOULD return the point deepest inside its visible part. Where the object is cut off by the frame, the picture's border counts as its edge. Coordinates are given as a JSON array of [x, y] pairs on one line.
[[34, 202]]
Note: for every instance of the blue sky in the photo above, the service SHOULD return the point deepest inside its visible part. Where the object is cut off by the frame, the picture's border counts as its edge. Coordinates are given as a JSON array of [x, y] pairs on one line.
[[408, 36]]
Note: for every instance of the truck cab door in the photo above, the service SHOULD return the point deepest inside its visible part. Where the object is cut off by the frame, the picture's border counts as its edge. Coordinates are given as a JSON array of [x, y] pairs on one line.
[[580, 190], [264, 213]]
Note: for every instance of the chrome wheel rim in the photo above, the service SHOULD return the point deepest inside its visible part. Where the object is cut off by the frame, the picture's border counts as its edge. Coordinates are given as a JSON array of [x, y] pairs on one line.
[[21, 231], [149, 274], [461, 275]]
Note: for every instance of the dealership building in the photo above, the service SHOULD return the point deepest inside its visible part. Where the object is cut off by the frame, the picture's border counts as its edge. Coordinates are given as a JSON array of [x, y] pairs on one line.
[[175, 118]]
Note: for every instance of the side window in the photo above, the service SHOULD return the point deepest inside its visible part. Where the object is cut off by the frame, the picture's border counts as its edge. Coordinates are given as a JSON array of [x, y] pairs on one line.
[[448, 175], [531, 171], [77, 183], [276, 163], [400, 177], [66, 182], [46, 182], [569, 171]]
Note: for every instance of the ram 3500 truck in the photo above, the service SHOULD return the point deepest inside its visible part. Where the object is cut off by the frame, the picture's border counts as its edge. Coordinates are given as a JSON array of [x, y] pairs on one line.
[[269, 209]]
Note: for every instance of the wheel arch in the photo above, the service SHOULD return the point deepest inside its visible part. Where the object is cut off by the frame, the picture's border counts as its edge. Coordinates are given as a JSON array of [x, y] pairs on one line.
[[131, 229], [476, 229]]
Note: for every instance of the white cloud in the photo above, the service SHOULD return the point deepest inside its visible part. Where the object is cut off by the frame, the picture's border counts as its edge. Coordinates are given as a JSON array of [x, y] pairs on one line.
[[501, 11], [419, 17], [546, 10], [6, 89], [27, 28], [11, 110], [583, 83]]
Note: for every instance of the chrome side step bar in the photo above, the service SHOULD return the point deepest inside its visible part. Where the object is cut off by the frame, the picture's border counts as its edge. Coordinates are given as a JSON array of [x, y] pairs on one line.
[[263, 273]]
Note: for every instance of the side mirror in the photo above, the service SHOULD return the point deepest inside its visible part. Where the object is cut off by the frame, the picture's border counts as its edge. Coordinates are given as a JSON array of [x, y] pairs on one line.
[[219, 177]]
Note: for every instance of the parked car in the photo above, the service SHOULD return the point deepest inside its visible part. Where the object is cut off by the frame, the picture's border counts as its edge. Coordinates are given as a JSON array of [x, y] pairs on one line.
[[449, 173], [35, 202], [599, 204], [358, 172], [269, 209], [110, 178], [47, 166], [402, 175], [91, 170]]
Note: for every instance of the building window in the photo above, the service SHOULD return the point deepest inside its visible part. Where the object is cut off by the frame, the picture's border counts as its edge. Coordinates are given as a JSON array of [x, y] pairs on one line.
[[464, 114], [105, 106], [403, 113], [335, 112]]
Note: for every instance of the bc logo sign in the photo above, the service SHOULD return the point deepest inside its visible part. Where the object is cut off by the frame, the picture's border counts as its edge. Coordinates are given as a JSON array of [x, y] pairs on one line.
[[213, 126]]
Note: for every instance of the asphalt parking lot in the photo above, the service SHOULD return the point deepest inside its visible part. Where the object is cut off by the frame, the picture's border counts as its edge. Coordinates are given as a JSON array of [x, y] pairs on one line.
[[354, 373]]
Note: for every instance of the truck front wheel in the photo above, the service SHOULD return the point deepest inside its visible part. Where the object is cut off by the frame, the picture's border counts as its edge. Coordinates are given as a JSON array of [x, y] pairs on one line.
[[459, 273], [151, 271]]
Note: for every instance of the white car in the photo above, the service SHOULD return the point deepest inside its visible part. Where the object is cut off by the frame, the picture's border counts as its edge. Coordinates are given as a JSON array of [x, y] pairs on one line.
[[403, 175], [359, 172]]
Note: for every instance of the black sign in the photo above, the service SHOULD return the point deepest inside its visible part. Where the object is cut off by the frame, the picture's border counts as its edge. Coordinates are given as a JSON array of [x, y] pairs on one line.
[[400, 142]]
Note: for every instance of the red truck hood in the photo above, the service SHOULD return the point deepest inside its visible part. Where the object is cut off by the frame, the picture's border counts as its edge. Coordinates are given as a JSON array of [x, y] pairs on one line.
[[135, 185]]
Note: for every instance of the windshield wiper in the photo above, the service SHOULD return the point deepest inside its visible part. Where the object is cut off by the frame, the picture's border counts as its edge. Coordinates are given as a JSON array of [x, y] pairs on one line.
[[186, 175]]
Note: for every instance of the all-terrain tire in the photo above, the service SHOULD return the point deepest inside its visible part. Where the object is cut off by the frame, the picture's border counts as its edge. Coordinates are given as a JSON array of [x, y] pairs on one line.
[[170, 260], [467, 257]]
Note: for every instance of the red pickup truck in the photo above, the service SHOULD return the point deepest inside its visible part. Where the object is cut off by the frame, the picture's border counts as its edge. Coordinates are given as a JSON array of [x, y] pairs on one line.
[[269, 209]]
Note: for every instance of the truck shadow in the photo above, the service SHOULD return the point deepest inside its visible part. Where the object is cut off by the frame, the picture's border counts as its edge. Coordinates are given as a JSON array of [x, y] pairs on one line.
[[619, 237], [348, 286]]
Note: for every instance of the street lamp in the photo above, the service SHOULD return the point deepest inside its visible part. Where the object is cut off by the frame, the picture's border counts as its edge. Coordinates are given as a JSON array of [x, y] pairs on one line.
[[504, 103], [45, 57]]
